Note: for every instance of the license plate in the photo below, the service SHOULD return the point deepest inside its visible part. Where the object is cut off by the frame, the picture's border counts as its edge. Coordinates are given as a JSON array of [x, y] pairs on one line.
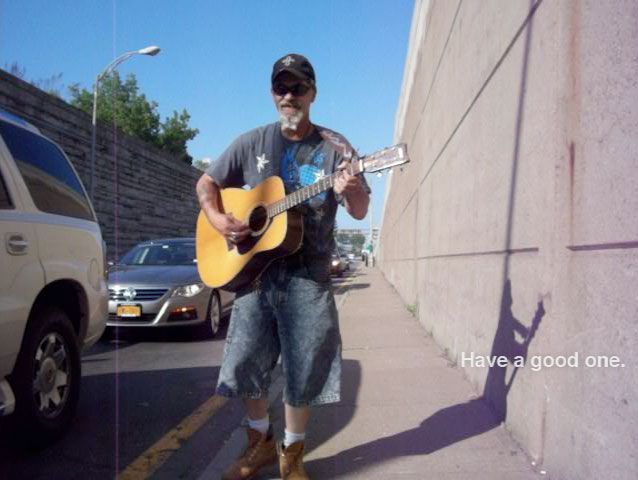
[[129, 311]]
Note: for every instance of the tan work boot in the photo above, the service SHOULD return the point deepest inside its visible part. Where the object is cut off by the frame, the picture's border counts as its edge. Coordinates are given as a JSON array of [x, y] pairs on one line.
[[291, 462], [261, 451]]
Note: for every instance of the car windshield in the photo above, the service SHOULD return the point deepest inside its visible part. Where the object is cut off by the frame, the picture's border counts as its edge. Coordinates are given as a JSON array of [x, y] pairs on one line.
[[182, 253]]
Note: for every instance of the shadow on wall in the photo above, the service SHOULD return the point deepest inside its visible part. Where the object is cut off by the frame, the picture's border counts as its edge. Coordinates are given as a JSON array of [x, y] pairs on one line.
[[464, 420], [497, 386]]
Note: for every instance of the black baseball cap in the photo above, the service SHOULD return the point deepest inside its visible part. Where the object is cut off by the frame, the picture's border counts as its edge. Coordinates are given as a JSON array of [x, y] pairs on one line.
[[296, 64]]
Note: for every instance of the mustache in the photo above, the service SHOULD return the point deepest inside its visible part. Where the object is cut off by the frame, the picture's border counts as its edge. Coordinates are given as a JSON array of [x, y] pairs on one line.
[[289, 104]]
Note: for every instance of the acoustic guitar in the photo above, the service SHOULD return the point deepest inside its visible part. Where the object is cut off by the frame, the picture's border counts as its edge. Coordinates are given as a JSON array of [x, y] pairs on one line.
[[276, 229]]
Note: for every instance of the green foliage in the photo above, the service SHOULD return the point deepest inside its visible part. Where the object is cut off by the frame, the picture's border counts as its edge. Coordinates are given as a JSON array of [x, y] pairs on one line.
[[356, 240], [175, 133], [123, 103], [49, 84], [16, 70]]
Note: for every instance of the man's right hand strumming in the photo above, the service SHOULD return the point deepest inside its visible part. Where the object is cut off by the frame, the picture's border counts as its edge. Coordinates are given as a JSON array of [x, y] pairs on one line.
[[231, 228]]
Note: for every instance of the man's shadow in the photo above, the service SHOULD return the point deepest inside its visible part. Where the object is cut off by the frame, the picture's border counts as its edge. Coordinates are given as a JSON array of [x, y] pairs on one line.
[[451, 424], [497, 386]]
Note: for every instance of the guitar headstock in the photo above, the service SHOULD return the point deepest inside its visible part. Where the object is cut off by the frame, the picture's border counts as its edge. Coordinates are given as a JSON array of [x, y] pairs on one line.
[[386, 158]]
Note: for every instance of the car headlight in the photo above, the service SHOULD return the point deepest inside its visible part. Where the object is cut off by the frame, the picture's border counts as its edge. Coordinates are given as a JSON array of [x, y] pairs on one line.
[[335, 263], [189, 290]]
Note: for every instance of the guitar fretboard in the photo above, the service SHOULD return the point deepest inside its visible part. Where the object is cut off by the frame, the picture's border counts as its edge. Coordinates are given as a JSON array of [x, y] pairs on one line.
[[301, 195], [381, 160]]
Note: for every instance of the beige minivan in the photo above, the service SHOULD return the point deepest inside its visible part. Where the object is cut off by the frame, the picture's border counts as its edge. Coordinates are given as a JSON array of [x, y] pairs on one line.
[[53, 293]]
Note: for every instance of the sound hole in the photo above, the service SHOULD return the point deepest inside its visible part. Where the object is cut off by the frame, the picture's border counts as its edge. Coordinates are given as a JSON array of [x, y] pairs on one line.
[[258, 218]]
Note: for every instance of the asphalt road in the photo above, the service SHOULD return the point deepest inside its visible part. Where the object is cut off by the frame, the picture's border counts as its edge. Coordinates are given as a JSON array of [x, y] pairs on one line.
[[146, 409]]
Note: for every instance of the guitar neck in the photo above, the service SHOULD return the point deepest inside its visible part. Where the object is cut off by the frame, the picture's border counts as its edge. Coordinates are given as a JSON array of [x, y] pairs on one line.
[[381, 160], [324, 183]]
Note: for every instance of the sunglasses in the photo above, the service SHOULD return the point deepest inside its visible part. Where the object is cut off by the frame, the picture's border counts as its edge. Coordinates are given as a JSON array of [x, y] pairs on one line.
[[297, 90]]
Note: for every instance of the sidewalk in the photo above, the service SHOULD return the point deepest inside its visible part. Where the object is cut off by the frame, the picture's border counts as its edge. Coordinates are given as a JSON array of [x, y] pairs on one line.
[[405, 411]]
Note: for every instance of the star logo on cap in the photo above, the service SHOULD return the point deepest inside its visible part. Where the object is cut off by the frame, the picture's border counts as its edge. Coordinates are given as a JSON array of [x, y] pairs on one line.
[[288, 60], [261, 162]]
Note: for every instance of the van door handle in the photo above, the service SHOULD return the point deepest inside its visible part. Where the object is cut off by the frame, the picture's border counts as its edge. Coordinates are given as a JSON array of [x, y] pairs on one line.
[[17, 244]]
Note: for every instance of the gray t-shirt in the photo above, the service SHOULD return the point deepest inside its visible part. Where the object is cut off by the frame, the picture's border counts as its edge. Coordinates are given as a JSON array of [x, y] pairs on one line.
[[264, 152]]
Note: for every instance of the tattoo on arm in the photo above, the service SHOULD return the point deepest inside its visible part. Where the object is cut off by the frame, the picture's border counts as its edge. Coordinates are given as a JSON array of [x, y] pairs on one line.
[[204, 193], [201, 191]]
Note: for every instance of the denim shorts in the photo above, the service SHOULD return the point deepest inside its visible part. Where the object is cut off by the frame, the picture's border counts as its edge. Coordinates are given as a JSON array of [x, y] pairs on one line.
[[286, 311]]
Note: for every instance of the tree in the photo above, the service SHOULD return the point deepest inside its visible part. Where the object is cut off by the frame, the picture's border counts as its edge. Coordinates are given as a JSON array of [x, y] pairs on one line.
[[135, 115], [355, 239], [175, 133]]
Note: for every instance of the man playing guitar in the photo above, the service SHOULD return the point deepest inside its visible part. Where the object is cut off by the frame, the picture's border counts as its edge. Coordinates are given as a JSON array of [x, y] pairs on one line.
[[290, 309]]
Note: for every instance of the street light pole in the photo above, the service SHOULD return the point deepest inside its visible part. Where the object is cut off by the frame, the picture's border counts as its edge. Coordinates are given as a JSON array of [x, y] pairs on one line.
[[152, 51], [93, 130]]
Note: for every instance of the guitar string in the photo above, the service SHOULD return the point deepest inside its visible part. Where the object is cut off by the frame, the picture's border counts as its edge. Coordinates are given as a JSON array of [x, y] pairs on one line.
[[321, 185], [300, 195]]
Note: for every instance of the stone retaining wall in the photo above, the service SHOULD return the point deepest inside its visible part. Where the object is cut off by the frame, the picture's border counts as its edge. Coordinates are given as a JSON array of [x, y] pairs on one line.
[[141, 192]]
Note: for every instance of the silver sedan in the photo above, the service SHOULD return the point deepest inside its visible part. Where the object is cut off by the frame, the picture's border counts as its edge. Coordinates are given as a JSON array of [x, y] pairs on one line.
[[156, 284]]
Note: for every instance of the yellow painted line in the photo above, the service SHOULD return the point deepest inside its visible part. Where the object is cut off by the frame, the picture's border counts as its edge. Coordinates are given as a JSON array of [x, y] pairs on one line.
[[153, 458]]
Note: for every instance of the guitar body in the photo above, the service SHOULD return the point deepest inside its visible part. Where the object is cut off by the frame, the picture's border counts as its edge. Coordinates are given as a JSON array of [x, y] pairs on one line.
[[222, 264]]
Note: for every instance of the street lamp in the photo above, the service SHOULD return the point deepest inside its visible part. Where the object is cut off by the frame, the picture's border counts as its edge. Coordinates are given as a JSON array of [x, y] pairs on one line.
[[150, 50]]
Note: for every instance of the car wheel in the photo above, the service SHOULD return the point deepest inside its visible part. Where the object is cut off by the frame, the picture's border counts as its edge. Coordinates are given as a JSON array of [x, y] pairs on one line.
[[46, 378], [214, 315]]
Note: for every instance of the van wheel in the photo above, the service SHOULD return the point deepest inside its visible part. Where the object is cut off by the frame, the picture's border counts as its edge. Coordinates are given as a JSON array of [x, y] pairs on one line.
[[213, 316], [46, 378]]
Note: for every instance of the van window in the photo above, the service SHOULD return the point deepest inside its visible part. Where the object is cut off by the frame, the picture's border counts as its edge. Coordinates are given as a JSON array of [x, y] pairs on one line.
[[5, 200], [54, 186]]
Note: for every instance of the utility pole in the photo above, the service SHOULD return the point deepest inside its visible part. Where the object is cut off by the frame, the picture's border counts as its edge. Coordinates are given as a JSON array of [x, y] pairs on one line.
[[371, 223], [370, 247]]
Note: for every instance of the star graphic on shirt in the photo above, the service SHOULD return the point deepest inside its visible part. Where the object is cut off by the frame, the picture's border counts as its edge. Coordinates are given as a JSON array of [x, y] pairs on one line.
[[319, 174], [261, 162]]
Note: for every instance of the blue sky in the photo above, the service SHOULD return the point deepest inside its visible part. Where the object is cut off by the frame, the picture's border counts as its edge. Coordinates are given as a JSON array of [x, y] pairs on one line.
[[216, 60]]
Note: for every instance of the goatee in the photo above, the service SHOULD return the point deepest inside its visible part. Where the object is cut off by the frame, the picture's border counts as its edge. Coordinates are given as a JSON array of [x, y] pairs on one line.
[[290, 122]]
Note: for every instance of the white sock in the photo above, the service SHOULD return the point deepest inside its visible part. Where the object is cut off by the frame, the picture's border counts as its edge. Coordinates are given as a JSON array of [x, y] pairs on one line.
[[261, 425], [290, 438]]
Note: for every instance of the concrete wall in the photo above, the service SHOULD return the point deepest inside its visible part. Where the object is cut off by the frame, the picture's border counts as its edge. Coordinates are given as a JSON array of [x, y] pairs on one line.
[[514, 229], [141, 192]]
